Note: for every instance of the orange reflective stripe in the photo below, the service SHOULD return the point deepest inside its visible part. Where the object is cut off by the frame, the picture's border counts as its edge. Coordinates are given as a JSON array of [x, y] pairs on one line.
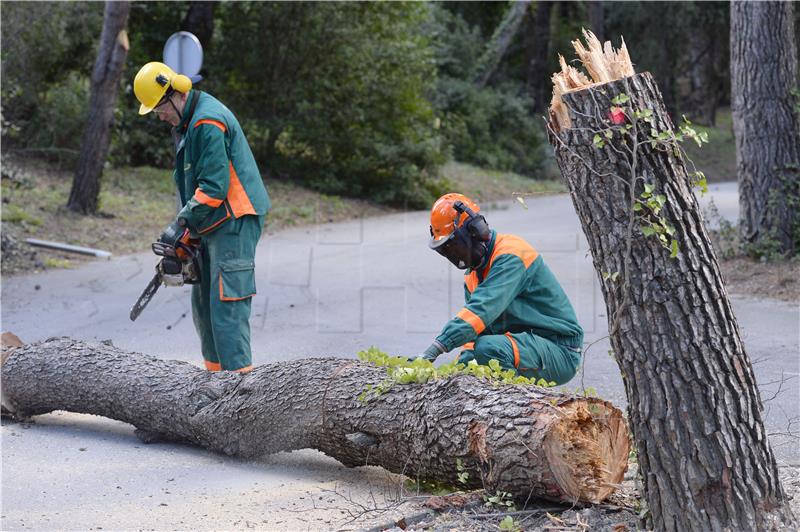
[[471, 281], [472, 318], [511, 245], [222, 295], [469, 346], [237, 197], [246, 369], [213, 366], [205, 199], [221, 220], [212, 122], [515, 348]]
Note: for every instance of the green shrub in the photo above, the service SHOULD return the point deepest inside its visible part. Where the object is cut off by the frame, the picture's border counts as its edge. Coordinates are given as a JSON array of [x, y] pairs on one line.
[[59, 118], [490, 126], [333, 95], [48, 52]]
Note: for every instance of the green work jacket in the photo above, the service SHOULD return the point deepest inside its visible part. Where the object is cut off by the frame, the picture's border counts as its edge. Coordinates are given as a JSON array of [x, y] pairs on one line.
[[215, 171], [514, 292]]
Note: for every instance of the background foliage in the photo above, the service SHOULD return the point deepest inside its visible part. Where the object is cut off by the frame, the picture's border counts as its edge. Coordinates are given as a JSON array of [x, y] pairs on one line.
[[360, 99]]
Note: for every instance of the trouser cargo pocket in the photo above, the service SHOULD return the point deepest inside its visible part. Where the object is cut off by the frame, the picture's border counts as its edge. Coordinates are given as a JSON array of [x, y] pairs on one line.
[[237, 280]]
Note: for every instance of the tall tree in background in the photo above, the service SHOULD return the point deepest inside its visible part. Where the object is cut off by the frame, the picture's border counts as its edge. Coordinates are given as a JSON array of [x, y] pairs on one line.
[[537, 43], [501, 40], [706, 59], [765, 122], [106, 75], [199, 20], [596, 14]]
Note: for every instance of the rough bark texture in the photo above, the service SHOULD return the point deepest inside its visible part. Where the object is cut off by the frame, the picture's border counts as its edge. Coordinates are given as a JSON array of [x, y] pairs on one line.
[[199, 20], [537, 42], [106, 75], [766, 125], [694, 407], [524, 440], [706, 90]]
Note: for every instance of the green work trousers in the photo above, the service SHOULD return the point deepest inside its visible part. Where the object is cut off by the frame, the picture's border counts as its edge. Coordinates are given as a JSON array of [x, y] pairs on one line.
[[530, 355], [221, 301]]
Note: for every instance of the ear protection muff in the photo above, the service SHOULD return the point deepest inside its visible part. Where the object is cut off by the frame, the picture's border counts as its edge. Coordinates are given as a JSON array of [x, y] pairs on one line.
[[181, 83], [475, 224]]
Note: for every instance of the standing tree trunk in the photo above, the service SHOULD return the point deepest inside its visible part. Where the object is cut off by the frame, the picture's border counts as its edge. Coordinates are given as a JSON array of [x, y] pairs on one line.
[[596, 14], [702, 45], [199, 20], [693, 404], [524, 440], [501, 39], [766, 124], [105, 85], [537, 42]]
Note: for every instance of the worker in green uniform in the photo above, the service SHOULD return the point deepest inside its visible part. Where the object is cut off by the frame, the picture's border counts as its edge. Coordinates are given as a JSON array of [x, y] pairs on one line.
[[515, 310], [224, 205]]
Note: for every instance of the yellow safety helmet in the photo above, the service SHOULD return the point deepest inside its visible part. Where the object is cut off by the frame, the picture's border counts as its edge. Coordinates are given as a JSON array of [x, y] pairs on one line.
[[153, 81]]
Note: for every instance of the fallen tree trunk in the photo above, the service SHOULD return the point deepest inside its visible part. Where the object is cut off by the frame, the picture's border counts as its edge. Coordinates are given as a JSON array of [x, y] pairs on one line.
[[693, 403], [524, 440]]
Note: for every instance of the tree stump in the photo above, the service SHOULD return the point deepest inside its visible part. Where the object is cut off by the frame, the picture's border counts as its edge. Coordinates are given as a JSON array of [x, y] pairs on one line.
[[693, 404], [524, 440]]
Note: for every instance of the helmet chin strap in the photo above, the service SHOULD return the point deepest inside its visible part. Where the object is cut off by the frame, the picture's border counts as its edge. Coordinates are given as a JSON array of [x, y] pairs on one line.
[[180, 115]]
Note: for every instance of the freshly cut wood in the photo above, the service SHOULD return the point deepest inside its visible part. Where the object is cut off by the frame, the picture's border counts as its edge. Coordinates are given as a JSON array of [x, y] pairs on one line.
[[604, 65], [525, 440], [693, 404]]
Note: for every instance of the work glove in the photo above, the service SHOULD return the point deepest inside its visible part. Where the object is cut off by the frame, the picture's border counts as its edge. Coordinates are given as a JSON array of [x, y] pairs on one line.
[[433, 352], [173, 232]]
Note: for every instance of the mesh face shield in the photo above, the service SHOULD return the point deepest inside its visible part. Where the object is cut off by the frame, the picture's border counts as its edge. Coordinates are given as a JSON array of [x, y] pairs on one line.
[[460, 249]]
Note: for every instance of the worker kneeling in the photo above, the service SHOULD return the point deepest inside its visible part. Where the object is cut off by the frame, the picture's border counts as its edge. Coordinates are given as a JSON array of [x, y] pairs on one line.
[[515, 310]]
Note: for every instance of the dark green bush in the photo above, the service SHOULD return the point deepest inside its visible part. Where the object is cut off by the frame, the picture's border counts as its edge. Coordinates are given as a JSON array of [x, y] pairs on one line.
[[47, 56], [489, 126], [337, 95]]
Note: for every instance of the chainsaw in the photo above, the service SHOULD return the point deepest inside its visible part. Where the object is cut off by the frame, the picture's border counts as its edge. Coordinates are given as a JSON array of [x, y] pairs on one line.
[[179, 265]]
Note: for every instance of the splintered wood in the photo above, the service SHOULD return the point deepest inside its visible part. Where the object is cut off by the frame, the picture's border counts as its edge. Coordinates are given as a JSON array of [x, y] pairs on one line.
[[578, 451], [603, 63]]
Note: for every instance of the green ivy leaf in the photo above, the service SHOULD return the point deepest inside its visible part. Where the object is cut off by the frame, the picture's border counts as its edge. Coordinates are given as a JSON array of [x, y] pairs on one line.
[[598, 141], [648, 230], [673, 247], [620, 99]]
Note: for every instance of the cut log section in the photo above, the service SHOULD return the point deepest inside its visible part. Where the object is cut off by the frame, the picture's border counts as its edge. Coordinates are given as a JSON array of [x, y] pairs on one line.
[[525, 440]]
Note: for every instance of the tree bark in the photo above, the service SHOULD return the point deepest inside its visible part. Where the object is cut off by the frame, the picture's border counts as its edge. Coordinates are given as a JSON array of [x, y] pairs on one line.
[[524, 440], [764, 73], [693, 404], [537, 42], [702, 50], [501, 40], [106, 75], [199, 20]]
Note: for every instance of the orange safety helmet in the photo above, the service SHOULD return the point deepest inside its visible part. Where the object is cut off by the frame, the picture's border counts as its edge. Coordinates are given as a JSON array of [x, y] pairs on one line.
[[458, 232]]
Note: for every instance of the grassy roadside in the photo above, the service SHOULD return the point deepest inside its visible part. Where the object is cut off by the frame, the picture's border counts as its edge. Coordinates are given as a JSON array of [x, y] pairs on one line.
[[137, 203]]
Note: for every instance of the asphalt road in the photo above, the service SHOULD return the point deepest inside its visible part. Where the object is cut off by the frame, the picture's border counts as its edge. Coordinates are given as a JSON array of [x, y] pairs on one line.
[[324, 290]]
